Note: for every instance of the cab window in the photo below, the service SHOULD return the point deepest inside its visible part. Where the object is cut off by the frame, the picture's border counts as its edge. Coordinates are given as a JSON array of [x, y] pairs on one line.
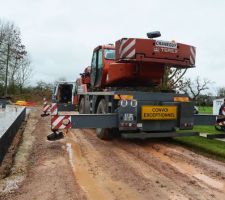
[[109, 54], [100, 58], [93, 62]]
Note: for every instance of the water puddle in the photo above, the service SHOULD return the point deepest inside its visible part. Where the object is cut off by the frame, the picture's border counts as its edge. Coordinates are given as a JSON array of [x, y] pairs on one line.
[[84, 179]]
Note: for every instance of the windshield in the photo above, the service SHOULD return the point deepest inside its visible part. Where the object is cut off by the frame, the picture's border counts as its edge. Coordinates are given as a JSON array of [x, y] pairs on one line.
[[109, 54]]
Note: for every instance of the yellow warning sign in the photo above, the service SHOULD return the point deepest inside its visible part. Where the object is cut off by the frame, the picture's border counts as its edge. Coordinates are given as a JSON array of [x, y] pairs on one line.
[[158, 112]]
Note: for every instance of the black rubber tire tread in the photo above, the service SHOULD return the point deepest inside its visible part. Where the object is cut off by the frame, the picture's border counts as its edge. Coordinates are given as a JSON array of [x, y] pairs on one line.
[[103, 133], [81, 106], [220, 128]]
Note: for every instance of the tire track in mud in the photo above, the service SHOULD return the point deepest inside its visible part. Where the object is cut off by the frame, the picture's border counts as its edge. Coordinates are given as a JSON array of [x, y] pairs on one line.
[[193, 179], [144, 169], [191, 164], [87, 164], [184, 184]]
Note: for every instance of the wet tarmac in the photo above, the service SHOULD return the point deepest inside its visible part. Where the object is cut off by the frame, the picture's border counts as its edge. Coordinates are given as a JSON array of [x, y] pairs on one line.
[[7, 117]]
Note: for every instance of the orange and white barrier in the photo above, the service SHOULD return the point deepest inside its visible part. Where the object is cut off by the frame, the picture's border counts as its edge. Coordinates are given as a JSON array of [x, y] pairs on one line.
[[54, 109], [46, 107], [59, 121]]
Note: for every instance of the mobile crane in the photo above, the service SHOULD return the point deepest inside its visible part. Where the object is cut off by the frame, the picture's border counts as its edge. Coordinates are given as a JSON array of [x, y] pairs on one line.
[[118, 93]]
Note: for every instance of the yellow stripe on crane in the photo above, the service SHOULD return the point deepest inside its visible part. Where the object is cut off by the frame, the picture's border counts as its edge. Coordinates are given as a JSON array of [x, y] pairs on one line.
[[124, 97]]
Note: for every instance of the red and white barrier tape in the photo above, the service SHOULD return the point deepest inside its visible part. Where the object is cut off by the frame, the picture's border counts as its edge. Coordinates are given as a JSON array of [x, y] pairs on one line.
[[54, 109]]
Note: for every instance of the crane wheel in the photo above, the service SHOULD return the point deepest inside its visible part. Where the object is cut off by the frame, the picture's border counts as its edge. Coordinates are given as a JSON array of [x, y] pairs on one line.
[[81, 106], [103, 133]]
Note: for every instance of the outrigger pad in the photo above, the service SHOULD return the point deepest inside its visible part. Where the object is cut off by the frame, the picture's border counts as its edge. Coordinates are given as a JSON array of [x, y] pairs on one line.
[[55, 136], [45, 115]]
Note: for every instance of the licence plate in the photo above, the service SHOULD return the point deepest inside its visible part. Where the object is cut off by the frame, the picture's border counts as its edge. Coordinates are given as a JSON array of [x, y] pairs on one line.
[[158, 112]]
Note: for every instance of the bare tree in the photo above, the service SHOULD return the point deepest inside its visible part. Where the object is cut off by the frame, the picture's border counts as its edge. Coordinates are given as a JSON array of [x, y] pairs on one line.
[[24, 72], [173, 78], [221, 92], [12, 55], [195, 87], [19, 59]]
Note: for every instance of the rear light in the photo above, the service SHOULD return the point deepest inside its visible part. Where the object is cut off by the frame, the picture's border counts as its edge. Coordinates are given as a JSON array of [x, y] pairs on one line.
[[65, 122], [123, 103], [133, 103], [181, 99], [188, 125], [128, 124]]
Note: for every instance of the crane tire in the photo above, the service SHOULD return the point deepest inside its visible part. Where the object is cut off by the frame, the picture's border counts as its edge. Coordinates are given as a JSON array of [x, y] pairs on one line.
[[103, 133], [81, 106], [220, 128]]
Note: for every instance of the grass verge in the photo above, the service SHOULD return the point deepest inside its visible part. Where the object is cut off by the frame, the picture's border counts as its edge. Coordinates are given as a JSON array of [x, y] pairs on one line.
[[211, 148], [205, 109], [206, 129]]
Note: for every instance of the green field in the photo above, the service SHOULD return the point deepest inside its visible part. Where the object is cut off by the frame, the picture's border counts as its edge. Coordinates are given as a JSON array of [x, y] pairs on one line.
[[205, 109], [206, 129]]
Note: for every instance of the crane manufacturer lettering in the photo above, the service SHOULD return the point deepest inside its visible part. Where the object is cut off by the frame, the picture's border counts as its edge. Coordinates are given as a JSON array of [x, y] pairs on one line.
[[161, 43]]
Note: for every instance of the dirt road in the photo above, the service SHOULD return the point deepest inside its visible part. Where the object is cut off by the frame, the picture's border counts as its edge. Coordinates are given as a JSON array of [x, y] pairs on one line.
[[83, 167], [142, 169]]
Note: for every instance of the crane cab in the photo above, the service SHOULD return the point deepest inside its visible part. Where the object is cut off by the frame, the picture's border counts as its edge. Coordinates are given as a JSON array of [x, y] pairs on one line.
[[102, 57]]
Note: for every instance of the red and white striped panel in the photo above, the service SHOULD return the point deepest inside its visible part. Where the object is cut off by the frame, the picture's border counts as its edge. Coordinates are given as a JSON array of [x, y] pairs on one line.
[[82, 88], [46, 108], [127, 48], [60, 122], [223, 111], [54, 109], [192, 56]]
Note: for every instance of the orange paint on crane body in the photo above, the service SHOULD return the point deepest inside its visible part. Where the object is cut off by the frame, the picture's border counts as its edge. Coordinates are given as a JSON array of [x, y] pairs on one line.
[[137, 62]]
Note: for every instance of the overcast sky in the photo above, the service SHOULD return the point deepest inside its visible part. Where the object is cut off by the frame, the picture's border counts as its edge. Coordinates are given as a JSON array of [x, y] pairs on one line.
[[61, 34]]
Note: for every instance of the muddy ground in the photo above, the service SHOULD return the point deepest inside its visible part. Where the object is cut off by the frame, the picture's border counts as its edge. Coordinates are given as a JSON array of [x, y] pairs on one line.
[[80, 166]]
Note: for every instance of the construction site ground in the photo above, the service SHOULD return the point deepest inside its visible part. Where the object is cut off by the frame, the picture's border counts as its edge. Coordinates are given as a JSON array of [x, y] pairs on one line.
[[81, 166]]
